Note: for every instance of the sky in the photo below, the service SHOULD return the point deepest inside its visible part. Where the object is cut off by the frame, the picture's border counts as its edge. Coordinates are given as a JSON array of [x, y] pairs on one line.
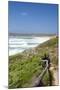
[[26, 17]]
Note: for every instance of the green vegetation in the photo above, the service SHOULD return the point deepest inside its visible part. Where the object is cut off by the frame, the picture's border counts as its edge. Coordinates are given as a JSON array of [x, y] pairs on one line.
[[50, 47], [21, 71], [27, 65]]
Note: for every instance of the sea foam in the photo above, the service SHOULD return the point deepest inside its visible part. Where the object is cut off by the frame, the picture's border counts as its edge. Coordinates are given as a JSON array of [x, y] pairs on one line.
[[19, 44]]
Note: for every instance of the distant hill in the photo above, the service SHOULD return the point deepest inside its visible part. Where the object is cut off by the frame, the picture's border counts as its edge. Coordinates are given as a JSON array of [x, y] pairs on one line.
[[30, 34]]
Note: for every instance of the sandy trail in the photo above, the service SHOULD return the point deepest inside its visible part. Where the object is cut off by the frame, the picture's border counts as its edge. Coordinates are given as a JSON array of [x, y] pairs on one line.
[[55, 76]]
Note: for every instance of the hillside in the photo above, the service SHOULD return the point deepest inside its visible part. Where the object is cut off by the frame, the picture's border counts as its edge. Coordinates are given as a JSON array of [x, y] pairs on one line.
[[25, 67]]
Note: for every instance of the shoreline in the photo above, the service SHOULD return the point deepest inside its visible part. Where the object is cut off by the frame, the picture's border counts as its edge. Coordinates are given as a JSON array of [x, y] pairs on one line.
[[38, 39]]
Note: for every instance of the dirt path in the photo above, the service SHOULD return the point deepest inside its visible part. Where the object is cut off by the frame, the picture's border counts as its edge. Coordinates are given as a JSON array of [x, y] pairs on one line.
[[55, 76]]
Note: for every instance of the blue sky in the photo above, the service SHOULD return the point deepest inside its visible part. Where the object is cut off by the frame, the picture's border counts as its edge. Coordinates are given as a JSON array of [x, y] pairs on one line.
[[32, 17]]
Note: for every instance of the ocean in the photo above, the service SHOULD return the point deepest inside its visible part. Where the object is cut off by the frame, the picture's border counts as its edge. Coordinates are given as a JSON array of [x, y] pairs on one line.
[[18, 44]]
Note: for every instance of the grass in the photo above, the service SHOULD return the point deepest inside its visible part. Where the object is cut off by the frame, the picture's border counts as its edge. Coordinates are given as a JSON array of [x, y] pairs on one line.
[[23, 67], [21, 71]]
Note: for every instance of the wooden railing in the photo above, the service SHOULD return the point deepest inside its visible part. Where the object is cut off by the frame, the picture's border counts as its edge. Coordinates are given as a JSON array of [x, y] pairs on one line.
[[39, 78]]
